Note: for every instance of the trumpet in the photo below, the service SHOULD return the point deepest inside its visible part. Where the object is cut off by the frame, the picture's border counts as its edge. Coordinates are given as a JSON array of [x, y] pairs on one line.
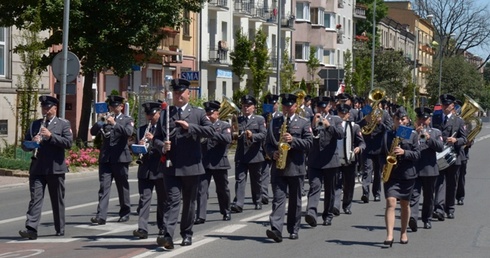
[[34, 154], [140, 159], [422, 137], [319, 119], [104, 117]]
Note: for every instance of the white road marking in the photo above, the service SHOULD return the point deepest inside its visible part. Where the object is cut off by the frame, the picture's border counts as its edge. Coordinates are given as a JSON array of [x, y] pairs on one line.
[[230, 228], [45, 240], [22, 253]]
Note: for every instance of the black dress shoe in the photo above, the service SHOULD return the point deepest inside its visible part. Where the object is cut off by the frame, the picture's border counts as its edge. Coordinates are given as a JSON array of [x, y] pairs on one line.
[[377, 198], [365, 199], [274, 235], [186, 241], [236, 209], [327, 222], [293, 236], [97, 221], [335, 211], [265, 200], [165, 241], [311, 220], [258, 206], [347, 211], [427, 225], [123, 218], [28, 233], [199, 221], [439, 216], [142, 234], [227, 217], [460, 202], [450, 215], [60, 233], [412, 223]]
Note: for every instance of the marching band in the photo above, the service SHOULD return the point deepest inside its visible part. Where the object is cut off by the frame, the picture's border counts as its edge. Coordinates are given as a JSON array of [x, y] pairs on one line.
[[328, 143]]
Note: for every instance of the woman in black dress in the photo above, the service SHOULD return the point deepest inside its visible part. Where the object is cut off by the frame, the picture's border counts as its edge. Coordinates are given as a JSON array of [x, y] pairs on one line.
[[402, 178]]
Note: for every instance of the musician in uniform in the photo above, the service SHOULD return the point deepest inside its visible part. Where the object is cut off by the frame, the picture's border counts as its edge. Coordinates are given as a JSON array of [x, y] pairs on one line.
[[149, 177], [114, 159], [249, 154], [48, 166], [323, 161], [460, 191], [370, 156], [270, 99], [290, 179], [348, 149], [454, 134], [430, 140], [402, 178], [216, 164], [181, 164], [307, 107]]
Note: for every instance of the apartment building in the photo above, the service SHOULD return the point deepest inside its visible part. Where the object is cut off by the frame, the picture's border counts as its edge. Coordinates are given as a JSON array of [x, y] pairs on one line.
[[220, 21], [422, 28], [10, 72]]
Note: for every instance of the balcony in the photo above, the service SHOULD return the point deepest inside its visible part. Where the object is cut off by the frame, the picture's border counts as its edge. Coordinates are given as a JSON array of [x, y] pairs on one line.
[[218, 5], [242, 8], [340, 4], [287, 23], [360, 12], [270, 17], [218, 57]]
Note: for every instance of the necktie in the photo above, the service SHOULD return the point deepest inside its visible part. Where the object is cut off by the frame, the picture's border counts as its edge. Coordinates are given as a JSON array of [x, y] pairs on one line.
[[246, 119], [288, 121], [180, 113], [46, 124], [445, 120]]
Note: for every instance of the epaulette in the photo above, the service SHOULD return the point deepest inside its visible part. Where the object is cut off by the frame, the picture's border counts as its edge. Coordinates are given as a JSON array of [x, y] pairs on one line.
[[64, 120]]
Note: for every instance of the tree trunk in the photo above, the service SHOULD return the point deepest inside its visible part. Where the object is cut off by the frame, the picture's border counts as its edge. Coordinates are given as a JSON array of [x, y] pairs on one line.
[[87, 100]]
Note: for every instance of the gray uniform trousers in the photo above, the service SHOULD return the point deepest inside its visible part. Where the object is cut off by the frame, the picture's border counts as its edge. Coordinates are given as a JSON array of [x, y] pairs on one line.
[[118, 172], [254, 170], [281, 186], [372, 174], [446, 185], [346, 185], [265, 178], [56, 188], [316, 177], [427, 185], [145, 188], [222, 191]]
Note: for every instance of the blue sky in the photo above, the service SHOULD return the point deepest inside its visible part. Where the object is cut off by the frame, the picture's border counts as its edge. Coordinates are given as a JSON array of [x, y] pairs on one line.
[[483, 53]]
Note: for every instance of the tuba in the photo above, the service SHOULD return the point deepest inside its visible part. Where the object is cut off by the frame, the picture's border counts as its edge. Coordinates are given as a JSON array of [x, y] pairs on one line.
[[375, 95], [283, 146], [391, 160], [229, 111], [474, 124]]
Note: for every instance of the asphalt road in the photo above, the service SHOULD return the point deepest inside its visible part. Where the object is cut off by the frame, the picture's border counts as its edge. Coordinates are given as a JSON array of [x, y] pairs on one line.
[[358, 235]]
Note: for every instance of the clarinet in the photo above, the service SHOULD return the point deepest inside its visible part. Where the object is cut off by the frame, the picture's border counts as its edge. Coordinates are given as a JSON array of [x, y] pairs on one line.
[[34, 155], [140, 159]]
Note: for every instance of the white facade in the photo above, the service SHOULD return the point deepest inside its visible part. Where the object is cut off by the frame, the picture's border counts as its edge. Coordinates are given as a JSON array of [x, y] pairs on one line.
[[220, 21], [10, 72]]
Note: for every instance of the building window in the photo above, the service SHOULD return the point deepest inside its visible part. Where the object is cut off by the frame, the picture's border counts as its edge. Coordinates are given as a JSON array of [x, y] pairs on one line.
[[317, 16], [302, 51], [328, 21], [223, 85], [329, 57], [319, 53], [186, 27], [4, 127], [303, 11], [3, 50]]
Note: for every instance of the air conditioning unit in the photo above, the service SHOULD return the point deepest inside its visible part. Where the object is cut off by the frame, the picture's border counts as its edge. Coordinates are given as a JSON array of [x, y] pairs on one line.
[[177, 58]]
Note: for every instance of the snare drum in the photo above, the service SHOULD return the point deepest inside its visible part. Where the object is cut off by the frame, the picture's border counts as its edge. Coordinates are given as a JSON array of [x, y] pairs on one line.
[[446, 157]]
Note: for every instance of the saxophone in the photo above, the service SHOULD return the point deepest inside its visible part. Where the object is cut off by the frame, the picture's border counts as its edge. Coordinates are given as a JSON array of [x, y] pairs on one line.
[[390, 160], [283, 146]]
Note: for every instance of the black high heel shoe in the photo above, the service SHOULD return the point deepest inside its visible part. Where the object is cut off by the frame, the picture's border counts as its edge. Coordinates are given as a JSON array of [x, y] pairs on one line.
[[390, 243], [403, 242]]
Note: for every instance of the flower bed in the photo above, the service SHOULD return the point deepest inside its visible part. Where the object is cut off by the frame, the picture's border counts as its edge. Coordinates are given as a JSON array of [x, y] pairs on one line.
[[83, 157]]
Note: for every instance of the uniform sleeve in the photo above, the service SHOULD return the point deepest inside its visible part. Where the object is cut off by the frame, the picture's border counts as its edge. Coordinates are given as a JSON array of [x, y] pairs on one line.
[[436, 142], [28, 136], [96, 128], [359, 139], [260, 136], [64, 140], [158, 137], [304, 143], [414, 152], [203, 128], [461, 136], [126, 128], [224, 137]]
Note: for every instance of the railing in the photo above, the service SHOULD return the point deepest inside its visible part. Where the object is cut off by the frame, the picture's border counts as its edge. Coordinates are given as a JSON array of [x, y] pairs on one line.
[[218, 3], [243, 7], [360, 11], [288, 21], [219, 56]]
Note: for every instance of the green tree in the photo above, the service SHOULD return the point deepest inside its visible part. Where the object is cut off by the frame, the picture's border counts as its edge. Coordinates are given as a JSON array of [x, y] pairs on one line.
[[312, 66], [348, 72], [391, 72], [287, 71], [259, 63], [367, 24], [241, 54], [361, 77], [458, 78], [104, 35], [486, 73]]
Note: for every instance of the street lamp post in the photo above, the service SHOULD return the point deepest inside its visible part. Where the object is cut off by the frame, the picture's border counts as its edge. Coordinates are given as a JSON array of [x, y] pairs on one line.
[[373, 45]]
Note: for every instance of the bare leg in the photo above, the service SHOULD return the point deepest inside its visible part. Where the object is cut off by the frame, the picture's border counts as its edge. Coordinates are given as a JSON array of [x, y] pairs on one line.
[[405, 215], [390, 217]]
